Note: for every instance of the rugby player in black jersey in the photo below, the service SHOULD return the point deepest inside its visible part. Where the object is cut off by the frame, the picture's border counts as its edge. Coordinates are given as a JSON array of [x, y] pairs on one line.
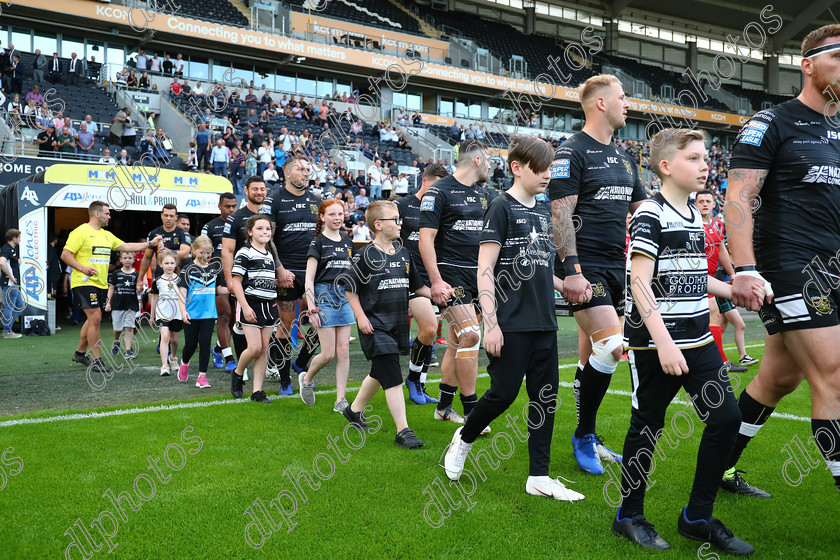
[[451, 217], [214, 229], [294, 210], [593, 185], [234, 237], [789, 156], [421, 308]]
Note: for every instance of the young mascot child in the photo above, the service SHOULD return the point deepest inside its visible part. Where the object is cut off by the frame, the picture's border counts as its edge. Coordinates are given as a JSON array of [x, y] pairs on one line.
[[330, 312], [670, 346], [168, 308], [377, 287], [254, 285], [516, 292], [198, 290], [123, 304]]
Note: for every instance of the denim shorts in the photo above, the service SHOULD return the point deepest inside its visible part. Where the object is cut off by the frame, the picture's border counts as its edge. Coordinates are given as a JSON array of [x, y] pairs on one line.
[[333, 308]]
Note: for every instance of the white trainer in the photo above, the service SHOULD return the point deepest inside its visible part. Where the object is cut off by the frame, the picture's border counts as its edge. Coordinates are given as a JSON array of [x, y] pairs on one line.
[[548, 487], [448, 414], [456, 456]]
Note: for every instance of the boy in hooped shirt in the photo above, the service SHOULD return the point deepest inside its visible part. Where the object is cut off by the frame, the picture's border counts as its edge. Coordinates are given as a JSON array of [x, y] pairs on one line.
[[670, 346], [377, 287], [516, 287]]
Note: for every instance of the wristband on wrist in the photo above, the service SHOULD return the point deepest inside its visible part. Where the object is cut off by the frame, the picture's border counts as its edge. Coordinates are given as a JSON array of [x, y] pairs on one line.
[[745, 268], [571, 265]]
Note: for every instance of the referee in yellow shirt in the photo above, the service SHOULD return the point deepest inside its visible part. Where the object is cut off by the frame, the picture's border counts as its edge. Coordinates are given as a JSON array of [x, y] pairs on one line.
[[88, 253]]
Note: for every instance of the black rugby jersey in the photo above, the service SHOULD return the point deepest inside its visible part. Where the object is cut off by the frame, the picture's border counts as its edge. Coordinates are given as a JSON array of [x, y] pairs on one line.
[[295, 219], [125, 290], [409, 208], [524, 271], [215, 229], [172, 240], [457, 212], [382, 282], [333, 257], [680, 277], [606, 180], [235, 227], [798, 217]]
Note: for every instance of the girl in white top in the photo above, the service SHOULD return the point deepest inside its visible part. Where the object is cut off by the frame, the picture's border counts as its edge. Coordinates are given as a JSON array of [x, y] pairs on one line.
[[168, 311]]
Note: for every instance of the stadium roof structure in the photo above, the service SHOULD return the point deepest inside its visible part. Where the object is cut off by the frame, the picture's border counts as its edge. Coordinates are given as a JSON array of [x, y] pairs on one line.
[[799, 18]]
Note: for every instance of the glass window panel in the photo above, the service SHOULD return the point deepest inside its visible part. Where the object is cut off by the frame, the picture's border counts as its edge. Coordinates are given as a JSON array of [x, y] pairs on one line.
[[305, 86], [285, 83], [542, 8], [264, 79], [414, 102], [21, 39], [475, 111], [460, 109], [115, 58], [71, 45], [398, 100], [344, 88], [325, 88], [47, 43], [197, 69], [446, 107]]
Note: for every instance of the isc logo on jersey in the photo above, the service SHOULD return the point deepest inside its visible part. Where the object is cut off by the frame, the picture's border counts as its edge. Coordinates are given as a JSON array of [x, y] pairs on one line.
[[753, 133], [560, 169]]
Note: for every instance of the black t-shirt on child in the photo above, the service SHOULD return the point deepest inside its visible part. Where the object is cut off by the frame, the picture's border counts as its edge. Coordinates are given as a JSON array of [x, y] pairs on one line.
[[524, 271], [333, 257], [125, 290]]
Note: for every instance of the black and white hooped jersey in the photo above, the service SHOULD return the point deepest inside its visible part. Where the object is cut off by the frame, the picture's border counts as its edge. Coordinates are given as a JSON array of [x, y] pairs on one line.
[[409, 208], [295, 218], [215, 229], [457, 212], [258, 271], [606, 180], [680, 277], [797, 214], [523, 276]]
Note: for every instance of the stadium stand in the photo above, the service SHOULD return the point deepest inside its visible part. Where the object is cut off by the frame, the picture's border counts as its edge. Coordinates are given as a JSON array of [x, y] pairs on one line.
[[381, 14], [217, 11]]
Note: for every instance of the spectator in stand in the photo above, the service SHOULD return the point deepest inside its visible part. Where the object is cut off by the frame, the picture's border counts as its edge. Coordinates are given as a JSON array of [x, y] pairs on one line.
[[499, 175], [129, 133], [186, 90], [142, 62], [55, 69], [143, 83], [356, 128], [266, 101], [198, 91], [237, 170], [252, 120], [251, 100], [166, 65], [361, 232], [10, 282], [175, 88], [402, 117], [131, 79], [74, 70], [124, 158], [147, 145], [323, 111], [39, 65], [84, 142], [64, 143], [163, 145], [35, 95], [362, 201], [178, 65], [234, 117], [297, 111], [154, 64], [191, 164], [416, 118], [46, 141], [264, 156], [16, 70], [92, 127], [270, 175], [219, 158], [93, 68], [106, 158], [202, 145]]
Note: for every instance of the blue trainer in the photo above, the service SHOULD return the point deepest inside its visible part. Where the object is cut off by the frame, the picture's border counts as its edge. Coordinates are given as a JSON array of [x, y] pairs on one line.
[[429, 399], [286, 390], [415, 392], [218, 360], [230, 366], [606, 454], [295, 367], [586, 455]]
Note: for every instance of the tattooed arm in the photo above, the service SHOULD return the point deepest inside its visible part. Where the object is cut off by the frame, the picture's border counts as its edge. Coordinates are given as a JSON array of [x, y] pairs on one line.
[[576, 287], [741, 194]]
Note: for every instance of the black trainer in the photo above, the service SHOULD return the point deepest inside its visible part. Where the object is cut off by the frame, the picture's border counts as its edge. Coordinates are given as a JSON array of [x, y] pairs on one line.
[[80, 358], [259, 396], [715, 532], [408, 439], [355, 418], [235, 385], [639, 530], [99, 366], [735, 483]]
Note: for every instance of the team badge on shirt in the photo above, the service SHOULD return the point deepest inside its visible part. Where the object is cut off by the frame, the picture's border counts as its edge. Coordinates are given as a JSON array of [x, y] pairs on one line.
[[313, 208], [753, 133], [821, 305], [627, 166], [428, 203], [484, 204], [560, 169]]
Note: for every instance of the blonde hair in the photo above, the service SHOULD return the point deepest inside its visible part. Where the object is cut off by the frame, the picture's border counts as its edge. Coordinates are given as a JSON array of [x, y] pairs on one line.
[[376, 210], [589, 89], [201, 242], [667, 142], [165, 254]]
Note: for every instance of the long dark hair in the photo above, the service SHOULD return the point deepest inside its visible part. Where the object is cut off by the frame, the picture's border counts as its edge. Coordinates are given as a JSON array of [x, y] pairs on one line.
[[322, 209]]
